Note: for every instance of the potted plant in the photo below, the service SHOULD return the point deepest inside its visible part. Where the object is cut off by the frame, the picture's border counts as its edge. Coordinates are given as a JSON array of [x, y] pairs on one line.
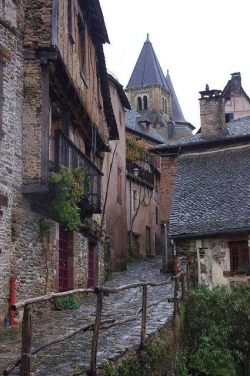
[[240, 270]]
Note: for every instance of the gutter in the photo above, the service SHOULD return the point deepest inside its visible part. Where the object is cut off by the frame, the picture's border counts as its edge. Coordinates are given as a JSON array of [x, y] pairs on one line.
[[212, 233]]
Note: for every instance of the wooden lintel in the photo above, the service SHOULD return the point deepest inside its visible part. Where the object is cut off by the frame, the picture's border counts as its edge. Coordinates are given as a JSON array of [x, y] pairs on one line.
[[47, 55], [29, 54], [35, 188]]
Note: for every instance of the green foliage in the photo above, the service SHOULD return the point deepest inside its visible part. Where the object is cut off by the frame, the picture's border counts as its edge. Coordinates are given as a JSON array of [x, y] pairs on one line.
[[69, 190], [240, 270], [110, 277], [217, 330], [157, 359], [45, 227], [68, 302], [135, 150]]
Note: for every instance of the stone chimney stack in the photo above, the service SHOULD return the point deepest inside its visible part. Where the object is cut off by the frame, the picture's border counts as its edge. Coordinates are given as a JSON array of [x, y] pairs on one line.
[[236, 82], [212, 113]]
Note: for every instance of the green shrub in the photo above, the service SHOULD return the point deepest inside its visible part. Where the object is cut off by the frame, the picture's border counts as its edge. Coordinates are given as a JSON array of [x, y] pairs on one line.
[[68, 302]]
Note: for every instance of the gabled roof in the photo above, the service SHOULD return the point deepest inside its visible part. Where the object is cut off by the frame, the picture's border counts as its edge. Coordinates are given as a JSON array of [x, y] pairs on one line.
[[177, 114], [212, 193], [133, 125], [147, 70], [234, 86]]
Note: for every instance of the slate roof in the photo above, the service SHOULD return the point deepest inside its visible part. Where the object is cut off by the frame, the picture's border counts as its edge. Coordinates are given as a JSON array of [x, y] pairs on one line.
[[235, 129], [147, 70], [132, 124], [177, 114], [212, 193]]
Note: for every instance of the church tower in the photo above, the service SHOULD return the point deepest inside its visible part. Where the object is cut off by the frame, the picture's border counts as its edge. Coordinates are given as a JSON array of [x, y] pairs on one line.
[[152, 94]]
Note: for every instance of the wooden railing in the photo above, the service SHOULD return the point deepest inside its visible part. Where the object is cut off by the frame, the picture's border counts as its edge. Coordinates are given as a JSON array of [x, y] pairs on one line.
[[181, 286], [145, 177], [68, 155]]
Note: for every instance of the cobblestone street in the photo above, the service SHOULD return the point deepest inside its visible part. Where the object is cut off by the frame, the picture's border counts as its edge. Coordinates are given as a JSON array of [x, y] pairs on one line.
[[73, 355]]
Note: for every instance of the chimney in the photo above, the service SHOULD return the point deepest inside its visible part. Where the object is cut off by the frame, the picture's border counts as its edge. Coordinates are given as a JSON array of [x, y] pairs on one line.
[[212, 113], [236, 82]]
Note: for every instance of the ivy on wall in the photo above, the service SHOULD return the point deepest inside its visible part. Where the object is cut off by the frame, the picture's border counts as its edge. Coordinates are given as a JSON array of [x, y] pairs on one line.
[[69, 188]]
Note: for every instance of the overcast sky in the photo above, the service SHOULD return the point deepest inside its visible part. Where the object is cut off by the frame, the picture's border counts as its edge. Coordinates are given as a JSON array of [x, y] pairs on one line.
[[198, 41]]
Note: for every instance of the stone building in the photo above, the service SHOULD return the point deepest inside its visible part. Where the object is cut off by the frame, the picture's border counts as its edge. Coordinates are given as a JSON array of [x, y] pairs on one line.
[[11, 95], [156, 118], [142, 186], [55, 111], [237, 102], [114, 183], [210, 212]]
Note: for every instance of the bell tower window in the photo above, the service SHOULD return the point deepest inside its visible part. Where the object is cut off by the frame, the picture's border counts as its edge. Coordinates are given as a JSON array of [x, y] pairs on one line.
[[145, 102], [139, 103]]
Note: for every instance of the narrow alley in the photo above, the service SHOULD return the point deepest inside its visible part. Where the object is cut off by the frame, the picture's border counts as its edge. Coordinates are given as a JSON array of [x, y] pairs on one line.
[[73, 355]]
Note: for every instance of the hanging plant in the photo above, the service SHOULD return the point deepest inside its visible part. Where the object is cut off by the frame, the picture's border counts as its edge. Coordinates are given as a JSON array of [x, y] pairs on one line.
[[135, 150], [69, 191]]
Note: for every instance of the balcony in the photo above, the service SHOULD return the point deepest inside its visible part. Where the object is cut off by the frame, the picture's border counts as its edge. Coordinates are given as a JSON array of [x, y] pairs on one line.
[[141, 176], [68, 155]]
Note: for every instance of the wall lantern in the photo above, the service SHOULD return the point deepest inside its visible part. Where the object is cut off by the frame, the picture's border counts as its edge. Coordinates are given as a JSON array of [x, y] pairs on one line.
[[136, 171]]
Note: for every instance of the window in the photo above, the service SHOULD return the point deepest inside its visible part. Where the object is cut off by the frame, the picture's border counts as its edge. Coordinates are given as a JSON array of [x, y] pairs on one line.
[[139, 103], [145, 102], [81, 46], [134, 199], [119, 185], [148, 241], [229, 117], [70, 19], [239, 255]]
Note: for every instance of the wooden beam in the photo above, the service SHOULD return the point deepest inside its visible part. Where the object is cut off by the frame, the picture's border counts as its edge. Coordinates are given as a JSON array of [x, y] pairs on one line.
[[45, 123]]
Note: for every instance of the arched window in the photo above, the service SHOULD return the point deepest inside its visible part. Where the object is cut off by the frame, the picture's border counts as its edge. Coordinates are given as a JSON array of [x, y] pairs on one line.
[[145, 102], [139, 103], [163, 104]]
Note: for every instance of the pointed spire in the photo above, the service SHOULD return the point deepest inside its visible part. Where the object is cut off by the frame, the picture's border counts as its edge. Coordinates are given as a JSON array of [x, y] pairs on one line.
[[177, 114], [147, 70]]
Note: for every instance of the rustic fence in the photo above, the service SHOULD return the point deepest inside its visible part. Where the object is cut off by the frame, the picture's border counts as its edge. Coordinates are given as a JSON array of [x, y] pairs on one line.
[[181, 286]]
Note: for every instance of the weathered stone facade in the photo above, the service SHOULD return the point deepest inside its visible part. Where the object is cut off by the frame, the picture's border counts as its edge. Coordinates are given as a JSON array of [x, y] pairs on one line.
[[11, 141], [46, 91]]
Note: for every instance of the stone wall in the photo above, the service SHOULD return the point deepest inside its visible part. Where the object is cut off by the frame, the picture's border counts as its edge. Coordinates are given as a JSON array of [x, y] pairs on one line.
[[167, 184], [11, 145], [32, 122]]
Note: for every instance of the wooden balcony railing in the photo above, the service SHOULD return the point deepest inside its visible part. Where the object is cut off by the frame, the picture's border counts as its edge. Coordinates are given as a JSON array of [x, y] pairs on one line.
[[144, 176], [68, 155]]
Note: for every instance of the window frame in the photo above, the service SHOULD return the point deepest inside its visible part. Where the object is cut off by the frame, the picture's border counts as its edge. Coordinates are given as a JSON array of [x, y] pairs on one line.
[[239, 249]]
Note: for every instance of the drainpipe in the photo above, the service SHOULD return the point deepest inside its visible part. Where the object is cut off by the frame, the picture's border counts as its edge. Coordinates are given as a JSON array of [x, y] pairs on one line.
[[12, 300]]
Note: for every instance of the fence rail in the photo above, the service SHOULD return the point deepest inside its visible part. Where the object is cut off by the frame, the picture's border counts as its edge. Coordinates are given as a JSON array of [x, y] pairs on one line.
[[181, 285]]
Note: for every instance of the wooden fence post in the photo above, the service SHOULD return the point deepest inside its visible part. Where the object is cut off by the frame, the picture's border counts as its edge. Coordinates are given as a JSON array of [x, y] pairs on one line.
[[144, 317], [99, 302], [26, 341]]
